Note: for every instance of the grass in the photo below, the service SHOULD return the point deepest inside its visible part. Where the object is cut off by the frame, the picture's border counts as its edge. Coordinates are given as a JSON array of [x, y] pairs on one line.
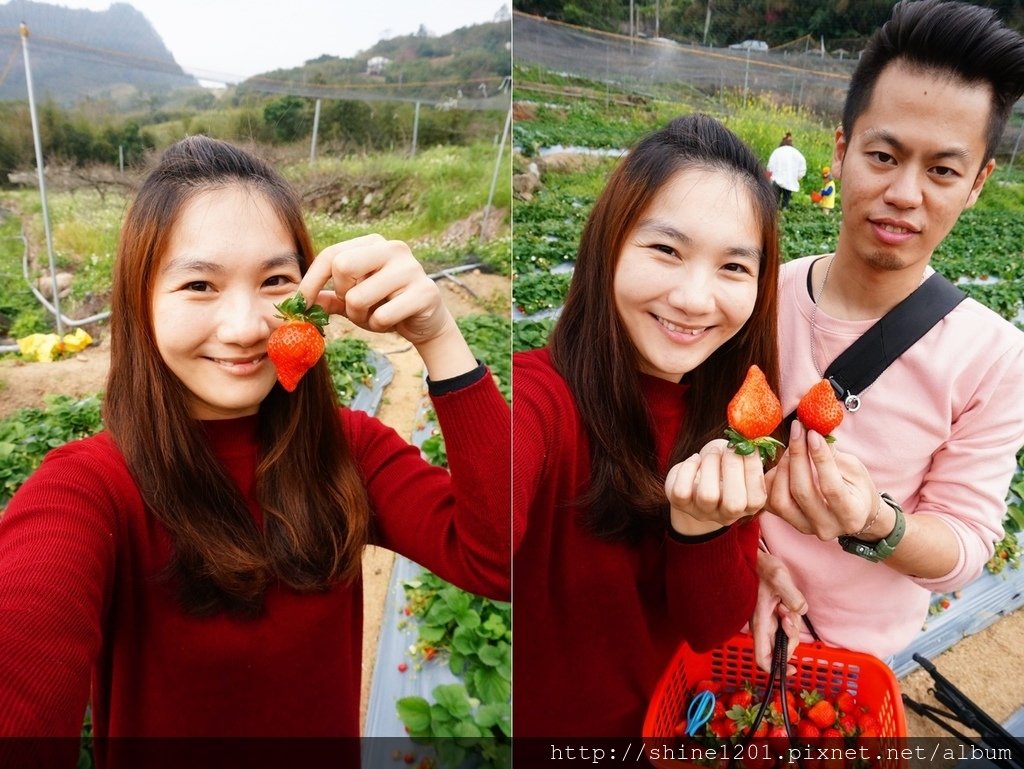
[[415, 199]]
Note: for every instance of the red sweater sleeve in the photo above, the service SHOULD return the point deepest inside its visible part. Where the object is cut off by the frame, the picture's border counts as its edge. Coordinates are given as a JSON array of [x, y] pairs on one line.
[[715, 580], [57, 557], [455, 524]]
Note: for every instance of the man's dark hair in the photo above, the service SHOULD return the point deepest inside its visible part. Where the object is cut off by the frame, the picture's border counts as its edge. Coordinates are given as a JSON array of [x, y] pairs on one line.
[[954, 38]]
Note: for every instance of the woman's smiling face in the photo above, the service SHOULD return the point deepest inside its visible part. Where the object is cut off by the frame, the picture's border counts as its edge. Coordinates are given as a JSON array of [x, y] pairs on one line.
[[686, 278], [229, 260]]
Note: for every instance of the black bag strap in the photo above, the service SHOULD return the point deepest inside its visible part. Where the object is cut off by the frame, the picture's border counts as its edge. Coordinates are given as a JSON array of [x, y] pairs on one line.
[[894, 333], [862, 362]]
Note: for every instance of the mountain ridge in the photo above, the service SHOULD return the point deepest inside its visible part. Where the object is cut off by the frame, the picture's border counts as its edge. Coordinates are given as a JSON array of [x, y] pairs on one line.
[[77, 53]]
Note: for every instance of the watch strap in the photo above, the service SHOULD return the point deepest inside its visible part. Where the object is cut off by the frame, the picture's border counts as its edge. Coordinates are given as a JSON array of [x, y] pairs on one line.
[[878, 551]]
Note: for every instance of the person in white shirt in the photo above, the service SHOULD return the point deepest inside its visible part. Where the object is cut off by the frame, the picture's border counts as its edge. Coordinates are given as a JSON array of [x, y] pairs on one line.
[[787, 167]]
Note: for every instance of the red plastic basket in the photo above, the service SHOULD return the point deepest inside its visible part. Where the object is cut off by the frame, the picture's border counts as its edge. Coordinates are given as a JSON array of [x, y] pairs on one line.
[[825, 668]]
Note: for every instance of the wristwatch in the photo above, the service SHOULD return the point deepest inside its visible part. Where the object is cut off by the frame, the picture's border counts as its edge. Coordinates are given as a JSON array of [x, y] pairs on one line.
[[883, 548]]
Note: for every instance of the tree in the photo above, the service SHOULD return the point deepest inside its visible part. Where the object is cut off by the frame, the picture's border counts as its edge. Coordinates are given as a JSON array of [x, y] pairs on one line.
[[287, 118]]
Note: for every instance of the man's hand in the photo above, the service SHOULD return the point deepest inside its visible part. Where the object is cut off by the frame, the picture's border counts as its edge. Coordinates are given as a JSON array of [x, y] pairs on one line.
[[818, 490], [778, 600]]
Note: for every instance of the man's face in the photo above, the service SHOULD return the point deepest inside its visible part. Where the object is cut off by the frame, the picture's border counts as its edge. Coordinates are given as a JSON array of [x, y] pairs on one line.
[[910, 166]]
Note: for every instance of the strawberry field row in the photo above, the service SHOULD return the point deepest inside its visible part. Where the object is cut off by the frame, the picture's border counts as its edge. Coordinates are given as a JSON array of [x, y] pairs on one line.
[[29, 433], [458, 677]]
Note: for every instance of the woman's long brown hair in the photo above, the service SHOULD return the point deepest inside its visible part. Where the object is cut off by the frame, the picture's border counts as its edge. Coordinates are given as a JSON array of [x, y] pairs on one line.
[[316, 515], [593, 352]]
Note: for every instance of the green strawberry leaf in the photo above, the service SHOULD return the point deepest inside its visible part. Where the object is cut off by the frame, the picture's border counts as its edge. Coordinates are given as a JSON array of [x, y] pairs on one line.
[[415, 713], [294, 308]]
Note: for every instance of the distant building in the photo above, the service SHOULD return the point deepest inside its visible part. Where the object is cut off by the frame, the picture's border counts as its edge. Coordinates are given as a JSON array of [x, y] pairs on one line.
[[375, 66]]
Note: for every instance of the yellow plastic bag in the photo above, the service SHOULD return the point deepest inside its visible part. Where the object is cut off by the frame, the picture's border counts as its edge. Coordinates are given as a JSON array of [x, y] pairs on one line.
[[46, 347]]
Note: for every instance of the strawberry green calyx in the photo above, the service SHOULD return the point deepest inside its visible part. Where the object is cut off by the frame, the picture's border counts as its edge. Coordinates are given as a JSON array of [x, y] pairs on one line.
[[767, 446], [294, 309]]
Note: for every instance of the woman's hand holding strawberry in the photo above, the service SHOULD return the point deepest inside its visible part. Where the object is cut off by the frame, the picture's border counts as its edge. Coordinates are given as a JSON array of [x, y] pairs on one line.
[[380, 286], [715, 488], [820, 491]]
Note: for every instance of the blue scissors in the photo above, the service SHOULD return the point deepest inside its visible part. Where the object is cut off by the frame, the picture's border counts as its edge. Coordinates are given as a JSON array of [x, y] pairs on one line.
[[699, 712]]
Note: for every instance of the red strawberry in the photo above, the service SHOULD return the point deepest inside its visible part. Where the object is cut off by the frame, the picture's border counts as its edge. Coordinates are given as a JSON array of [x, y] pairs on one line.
[[719, 710], [708, 685], [722, 728], [868, 723], [847, 724], [297, 345], [822, 713], [846, 702], [775, 710], [743, 698], [402, 667], [753, 414], [805, 730], [679, 730], [820, 410], [778, 738]]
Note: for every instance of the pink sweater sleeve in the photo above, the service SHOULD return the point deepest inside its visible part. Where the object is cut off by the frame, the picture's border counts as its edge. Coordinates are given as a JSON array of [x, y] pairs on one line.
[[969, 475]]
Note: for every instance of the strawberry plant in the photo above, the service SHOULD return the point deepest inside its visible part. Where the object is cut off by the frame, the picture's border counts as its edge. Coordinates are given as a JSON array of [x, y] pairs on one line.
[[349, 366], [474, 635], [29, 433], [433, 445], [531, 334], [538, 291], [1008, 550], [460, 728], [489, 337]]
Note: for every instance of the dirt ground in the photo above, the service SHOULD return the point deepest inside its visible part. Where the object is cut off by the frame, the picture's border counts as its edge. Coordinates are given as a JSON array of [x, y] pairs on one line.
[[26, 384], [987, 667]]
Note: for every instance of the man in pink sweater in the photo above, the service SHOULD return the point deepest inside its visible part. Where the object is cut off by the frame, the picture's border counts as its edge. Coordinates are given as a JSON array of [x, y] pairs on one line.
[[939, 429]]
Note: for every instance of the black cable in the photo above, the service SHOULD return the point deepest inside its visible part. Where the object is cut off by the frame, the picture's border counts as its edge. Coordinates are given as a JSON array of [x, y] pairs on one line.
[[778, 670]]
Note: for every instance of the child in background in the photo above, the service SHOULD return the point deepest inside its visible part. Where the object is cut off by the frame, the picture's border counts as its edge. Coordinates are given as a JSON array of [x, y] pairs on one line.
[[826, 196]]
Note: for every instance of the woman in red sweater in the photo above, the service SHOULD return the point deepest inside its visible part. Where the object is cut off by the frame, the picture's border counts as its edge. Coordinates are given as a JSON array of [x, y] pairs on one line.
[[672, 299], [195, 570]]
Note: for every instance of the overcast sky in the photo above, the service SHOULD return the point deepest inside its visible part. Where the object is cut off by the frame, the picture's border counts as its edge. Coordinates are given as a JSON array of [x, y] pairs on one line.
[[234, 39]]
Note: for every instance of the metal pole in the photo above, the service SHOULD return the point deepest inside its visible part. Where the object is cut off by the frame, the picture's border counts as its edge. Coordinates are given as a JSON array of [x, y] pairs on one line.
[[494, 179], [707, 23], [42, 179], [120, 157], [415, 128], [746, 77], [316, 130], [657, 18], [632, 29], [1016, 147]]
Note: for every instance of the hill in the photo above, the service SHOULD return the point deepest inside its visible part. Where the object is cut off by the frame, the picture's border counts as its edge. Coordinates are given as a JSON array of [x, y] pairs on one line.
[[464, 68], [78, 53]]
